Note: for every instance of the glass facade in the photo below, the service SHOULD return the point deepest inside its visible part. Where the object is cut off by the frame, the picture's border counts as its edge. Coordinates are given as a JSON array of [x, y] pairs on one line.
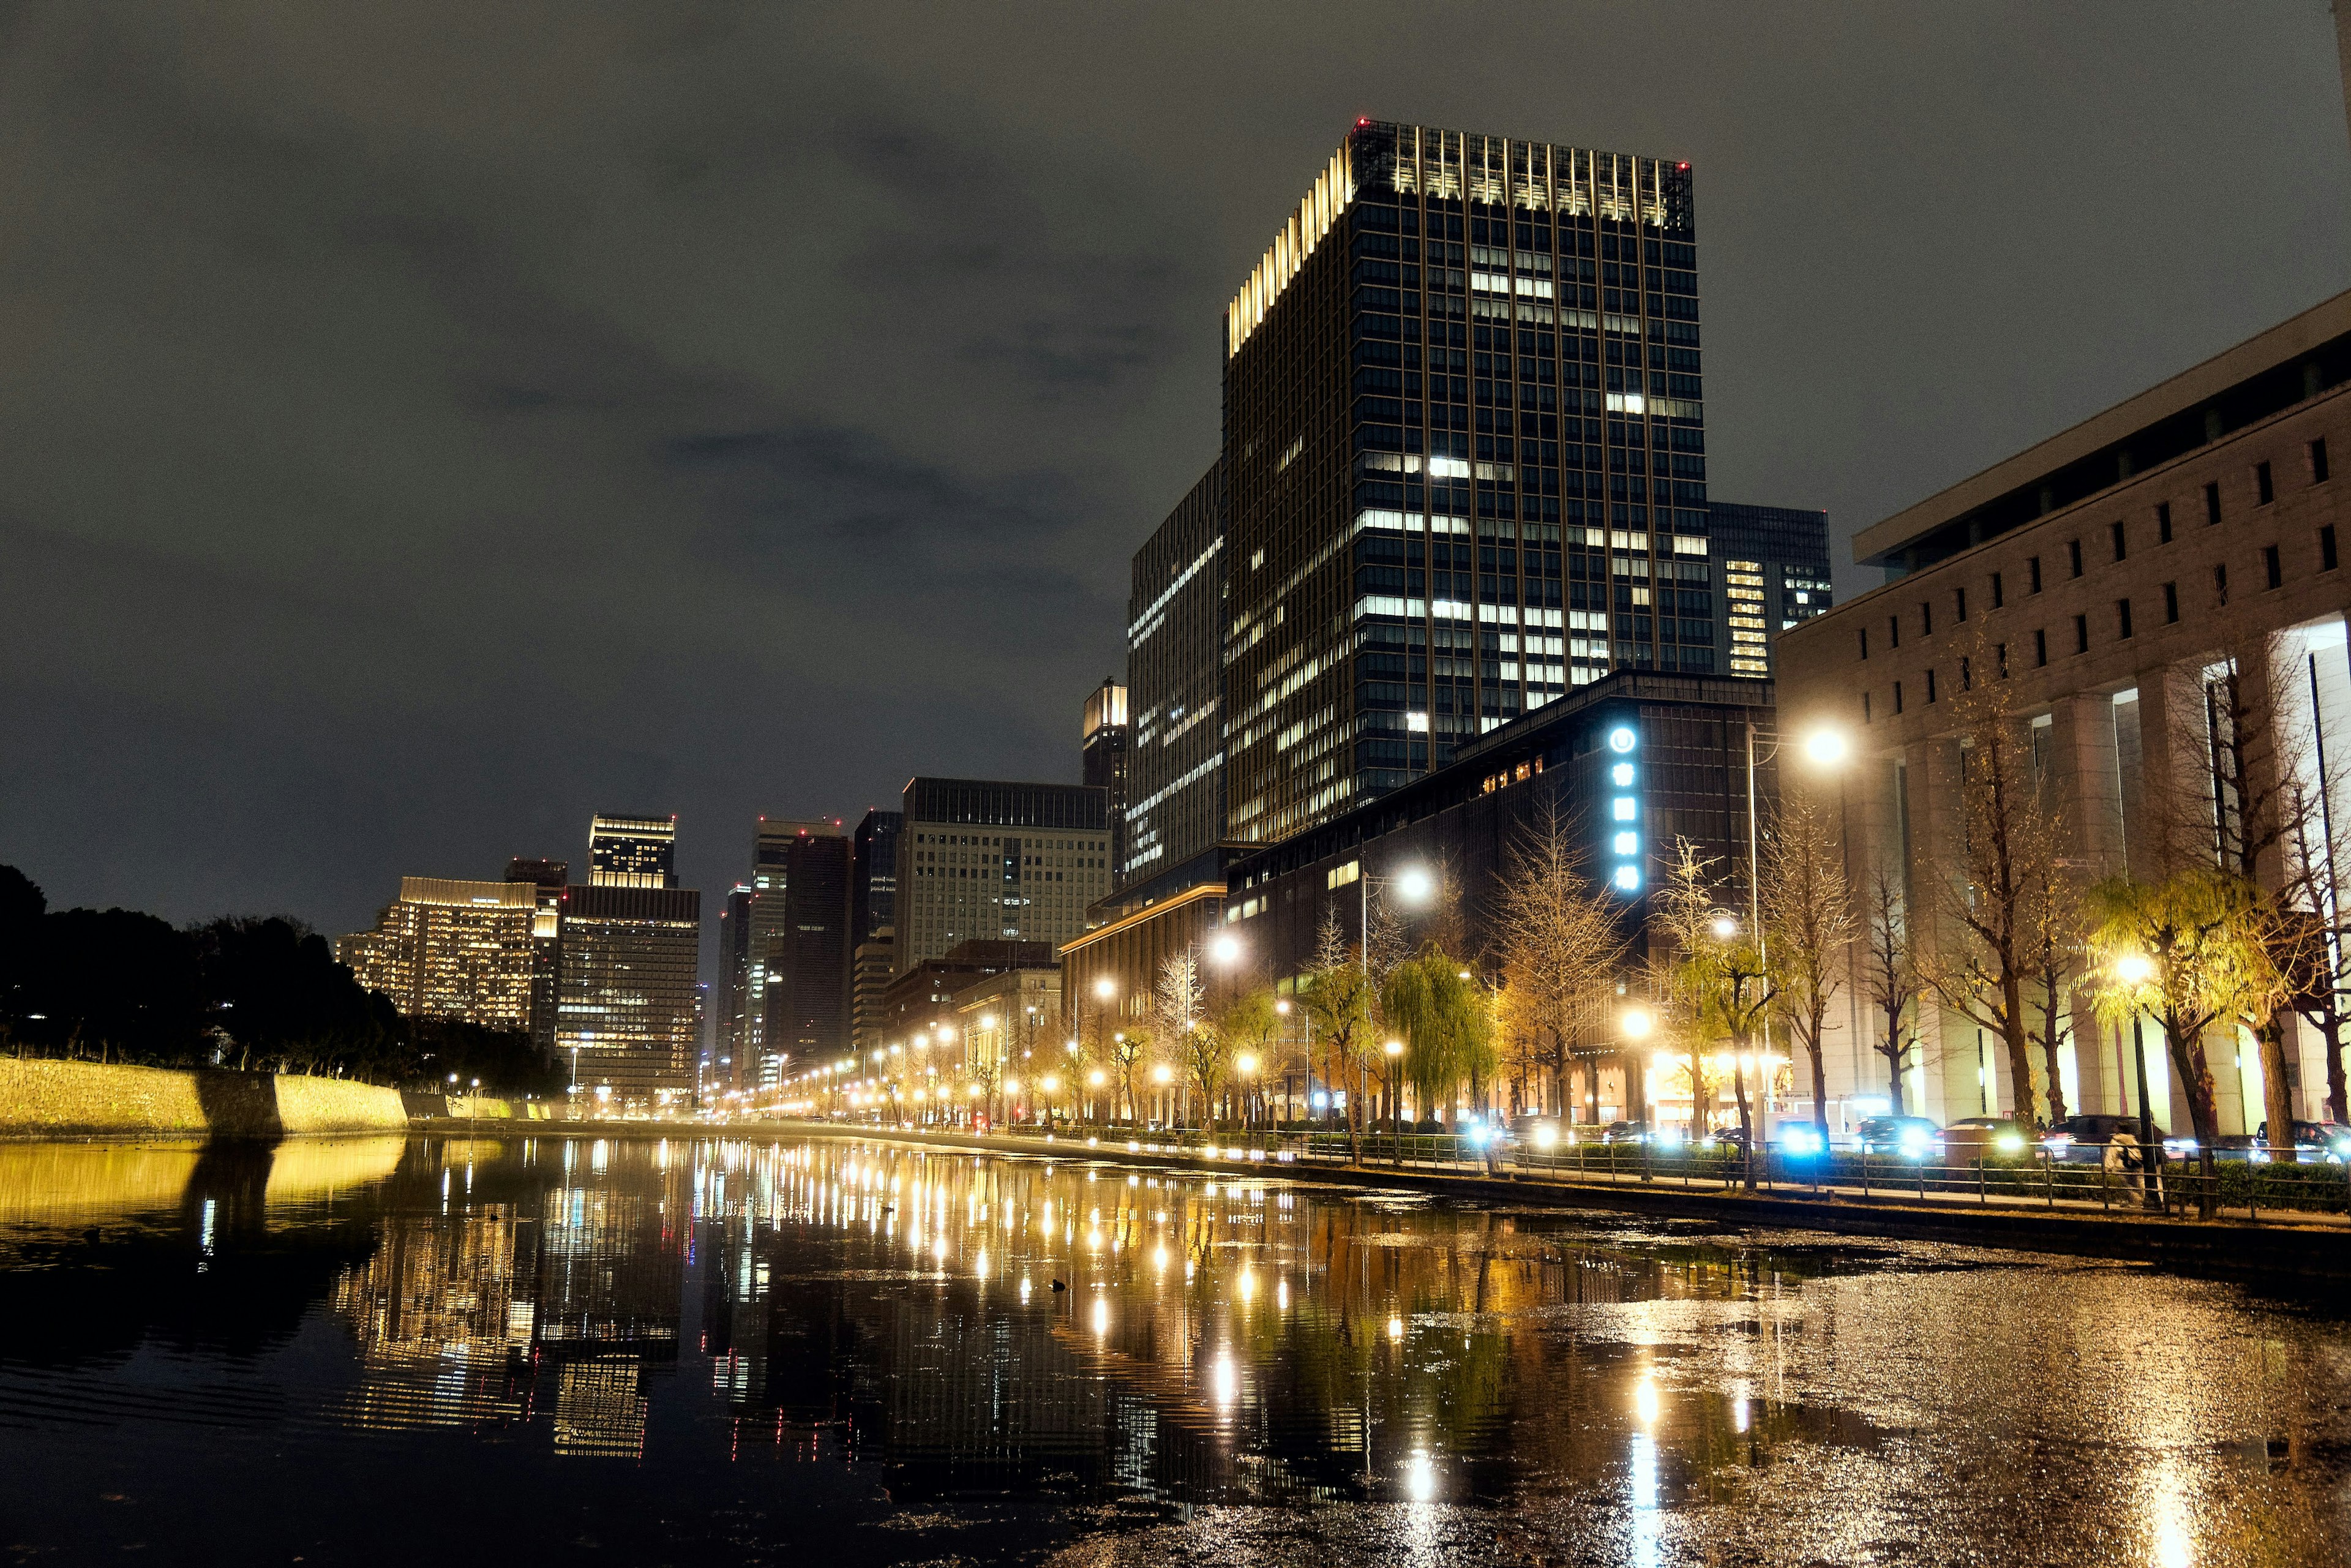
[[798, 946], [1174, 664], [1775, 574], [1466, 457], [450, 949], [626, 1003]]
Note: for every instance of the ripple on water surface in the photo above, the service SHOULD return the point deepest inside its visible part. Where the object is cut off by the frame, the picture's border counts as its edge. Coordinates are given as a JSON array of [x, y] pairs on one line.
[[722, 1351]]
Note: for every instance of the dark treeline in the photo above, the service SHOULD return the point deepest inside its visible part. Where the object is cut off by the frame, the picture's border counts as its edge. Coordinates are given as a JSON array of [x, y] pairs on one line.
[[261, 994]]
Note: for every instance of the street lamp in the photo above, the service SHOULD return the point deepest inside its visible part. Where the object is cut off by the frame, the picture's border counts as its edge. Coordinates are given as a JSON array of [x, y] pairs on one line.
[[1827, 748], [1413, 884]]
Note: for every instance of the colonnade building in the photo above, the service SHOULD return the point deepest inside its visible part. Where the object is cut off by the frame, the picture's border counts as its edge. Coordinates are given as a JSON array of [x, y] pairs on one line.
[[2112, 577]]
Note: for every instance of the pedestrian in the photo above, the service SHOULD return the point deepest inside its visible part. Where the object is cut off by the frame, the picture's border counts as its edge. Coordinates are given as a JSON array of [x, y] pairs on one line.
[[2125, 1156]]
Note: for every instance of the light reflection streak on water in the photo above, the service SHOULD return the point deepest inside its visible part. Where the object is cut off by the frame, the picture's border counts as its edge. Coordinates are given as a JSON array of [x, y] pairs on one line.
[[1318, 1347]]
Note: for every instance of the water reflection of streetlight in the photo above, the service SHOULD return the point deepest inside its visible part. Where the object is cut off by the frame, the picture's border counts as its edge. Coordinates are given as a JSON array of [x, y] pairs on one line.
[[1420, 1477], [1227, 1379]]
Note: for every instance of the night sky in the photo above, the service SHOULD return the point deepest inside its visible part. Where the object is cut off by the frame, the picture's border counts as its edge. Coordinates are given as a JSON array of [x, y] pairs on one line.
[[425, 425]]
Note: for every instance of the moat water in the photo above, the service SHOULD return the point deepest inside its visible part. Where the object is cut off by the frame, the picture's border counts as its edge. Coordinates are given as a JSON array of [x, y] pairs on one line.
[[546, 1350]]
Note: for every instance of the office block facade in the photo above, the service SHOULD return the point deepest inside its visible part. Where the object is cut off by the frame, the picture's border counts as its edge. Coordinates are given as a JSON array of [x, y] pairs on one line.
[[1773, 565], [734, 981], [982, 860], [628, 998], [873, 917], [452, 949], [2115, 579], [796, 985], [633, 852], [1464, 459], [547, 879], [1176, 687]]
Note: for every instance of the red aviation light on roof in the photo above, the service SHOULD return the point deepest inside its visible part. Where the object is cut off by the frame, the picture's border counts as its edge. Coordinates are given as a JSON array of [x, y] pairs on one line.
[[1681, 165], [1362, 120]]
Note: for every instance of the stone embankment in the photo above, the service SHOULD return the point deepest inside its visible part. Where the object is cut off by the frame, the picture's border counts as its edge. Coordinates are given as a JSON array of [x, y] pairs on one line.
[[83, 1099]]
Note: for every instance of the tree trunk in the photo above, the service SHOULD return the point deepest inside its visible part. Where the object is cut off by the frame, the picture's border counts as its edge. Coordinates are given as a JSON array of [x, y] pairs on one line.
[[2338, 1093], [2016, 1038], [1820, 1089], [1893, 1052], [2196, 1076], [2277, 1097], [1354, 1124], [1746, 1118]]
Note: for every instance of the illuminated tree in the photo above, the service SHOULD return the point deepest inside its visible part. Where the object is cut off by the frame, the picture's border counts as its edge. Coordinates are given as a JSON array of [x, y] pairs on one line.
[[1807, 923]]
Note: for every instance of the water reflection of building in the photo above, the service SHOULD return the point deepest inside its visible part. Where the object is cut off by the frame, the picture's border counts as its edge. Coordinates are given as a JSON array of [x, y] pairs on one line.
[[437, 1312]]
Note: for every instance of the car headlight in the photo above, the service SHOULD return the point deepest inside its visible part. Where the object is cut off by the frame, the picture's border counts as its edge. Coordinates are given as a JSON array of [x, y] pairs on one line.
[[2008, 1143], [1914, 1142]]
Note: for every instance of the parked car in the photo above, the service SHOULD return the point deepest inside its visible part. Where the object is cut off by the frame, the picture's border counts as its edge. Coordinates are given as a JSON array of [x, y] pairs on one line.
[[1541, 1134], [1976, 1137], [1910, 1137], [1802, 1139], [1725, 1140], [2083, 1140], [2331, 1139], [1626, 1133]]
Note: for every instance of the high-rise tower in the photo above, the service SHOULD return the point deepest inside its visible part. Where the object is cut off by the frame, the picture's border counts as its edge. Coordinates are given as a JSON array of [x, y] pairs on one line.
[[1104, 753], [1175, 670], [1464, 458], [633, 852]]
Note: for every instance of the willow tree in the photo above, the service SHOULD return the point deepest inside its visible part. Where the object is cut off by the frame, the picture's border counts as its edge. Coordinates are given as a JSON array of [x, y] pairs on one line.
[[1337, 994], [1445, 1019], [1251, 1025], [1560, 946]]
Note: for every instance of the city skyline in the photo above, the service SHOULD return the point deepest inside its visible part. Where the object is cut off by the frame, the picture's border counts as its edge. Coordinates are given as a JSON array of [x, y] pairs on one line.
[[510, 755]]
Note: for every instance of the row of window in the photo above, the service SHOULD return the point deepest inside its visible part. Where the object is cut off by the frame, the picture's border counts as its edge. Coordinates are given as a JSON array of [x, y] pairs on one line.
[[2125, 620], [2118, 542]]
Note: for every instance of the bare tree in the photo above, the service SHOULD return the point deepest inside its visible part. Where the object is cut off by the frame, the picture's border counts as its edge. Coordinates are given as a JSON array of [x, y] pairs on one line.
[[2322, 992], [1892, 981], [1558, 945], [1177, 1004], [1984, 952], [1808, 915], [1682, 912]]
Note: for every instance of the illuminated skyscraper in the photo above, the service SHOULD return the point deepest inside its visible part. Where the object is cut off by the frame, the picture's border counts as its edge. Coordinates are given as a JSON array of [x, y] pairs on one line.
[[795, 986], [1107, 736], [449, 949], [548, 877], [1464, 453], [1174, 666], [633, 852], [626, 999], [1774, 562], [734, 977], [873, 915]]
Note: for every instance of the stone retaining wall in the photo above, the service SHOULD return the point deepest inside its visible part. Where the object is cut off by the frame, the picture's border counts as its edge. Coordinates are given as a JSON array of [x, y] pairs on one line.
[[48, 1099]]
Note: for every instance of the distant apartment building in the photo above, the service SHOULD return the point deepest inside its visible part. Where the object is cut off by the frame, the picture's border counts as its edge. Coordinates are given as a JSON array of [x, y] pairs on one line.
[[451, 949], [633, 852], [1174, 806], [924, 999], [1772, 566], [547, 878], [992, 861]]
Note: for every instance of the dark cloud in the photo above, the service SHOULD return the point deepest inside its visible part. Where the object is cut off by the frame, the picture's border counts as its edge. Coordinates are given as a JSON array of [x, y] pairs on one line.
[[423, 424]]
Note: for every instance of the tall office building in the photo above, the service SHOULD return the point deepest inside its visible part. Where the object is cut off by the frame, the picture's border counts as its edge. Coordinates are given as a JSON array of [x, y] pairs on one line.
[[1175, 670], [1774, 565], [450, 949], [1464, 458], [796, 978], [734, 979], [547, 878], [1103, 750], [872, 909], [627, 999], [1002, 861], [633, 852]]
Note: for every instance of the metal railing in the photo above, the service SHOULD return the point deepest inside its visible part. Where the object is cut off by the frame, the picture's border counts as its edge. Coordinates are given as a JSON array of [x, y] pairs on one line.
[[2179, 1187]]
